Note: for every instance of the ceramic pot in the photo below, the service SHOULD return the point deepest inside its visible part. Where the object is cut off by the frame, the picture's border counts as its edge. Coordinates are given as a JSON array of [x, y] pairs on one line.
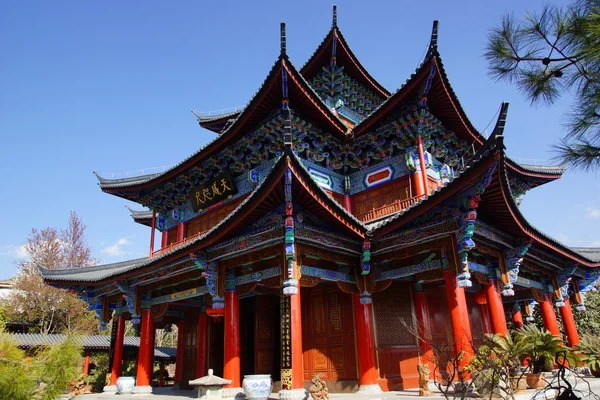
[[125, 384], [518, 384], [535, 381], [257, 387]]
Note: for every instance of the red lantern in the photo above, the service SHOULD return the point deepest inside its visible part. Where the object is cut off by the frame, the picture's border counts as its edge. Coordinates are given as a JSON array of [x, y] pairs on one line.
[[215, 312], [480, 297]]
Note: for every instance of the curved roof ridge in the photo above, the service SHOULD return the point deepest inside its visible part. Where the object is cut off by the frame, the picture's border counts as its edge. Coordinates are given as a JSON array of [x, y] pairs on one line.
[[314, 96], [218, 140], [110, 270], [492, 145], [335, 30], [528, 228], [325, 196]]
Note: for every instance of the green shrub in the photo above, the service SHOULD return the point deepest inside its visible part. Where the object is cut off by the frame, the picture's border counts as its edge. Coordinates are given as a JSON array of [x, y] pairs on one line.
[[47, 374]]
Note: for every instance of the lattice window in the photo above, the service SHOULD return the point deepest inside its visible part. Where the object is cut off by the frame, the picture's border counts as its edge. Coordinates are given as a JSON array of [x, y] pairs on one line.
[[391, 307]]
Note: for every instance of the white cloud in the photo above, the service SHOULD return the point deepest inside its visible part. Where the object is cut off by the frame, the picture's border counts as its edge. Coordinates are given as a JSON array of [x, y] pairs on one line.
[[14, 251], [116, 250], [593, 212]]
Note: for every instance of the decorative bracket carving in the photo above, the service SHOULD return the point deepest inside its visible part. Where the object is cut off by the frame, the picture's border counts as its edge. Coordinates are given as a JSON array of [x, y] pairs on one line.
[[290, 285], [211, 274], [129, 294], [466, 226], [513, 259], [366, 258], [529, 308], [585, 285], [563, 280]]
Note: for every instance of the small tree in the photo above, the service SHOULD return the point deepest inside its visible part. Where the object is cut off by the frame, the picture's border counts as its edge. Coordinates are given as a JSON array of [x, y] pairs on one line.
[[588, 321], [49, 309]]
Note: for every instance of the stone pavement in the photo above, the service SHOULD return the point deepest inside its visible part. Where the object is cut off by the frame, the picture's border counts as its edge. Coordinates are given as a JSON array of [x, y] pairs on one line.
[[168, 393]]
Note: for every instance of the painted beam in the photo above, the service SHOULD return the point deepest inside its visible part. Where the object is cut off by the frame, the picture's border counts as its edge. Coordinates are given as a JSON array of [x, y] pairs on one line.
[[258, 276], [327, 275], [184, 294], [409, 270]]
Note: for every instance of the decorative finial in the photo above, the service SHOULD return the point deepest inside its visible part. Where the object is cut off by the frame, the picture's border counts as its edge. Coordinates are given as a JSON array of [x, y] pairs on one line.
[[334, 22], [282, 34], [210, 372], [499, 128], [434, 34]]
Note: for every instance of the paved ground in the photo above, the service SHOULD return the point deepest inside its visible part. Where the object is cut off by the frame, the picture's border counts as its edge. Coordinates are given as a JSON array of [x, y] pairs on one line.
[[171, 394]]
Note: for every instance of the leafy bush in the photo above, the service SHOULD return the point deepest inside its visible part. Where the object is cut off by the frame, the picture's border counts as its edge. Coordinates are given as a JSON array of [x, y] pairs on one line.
[[589, 348], [47, 374]]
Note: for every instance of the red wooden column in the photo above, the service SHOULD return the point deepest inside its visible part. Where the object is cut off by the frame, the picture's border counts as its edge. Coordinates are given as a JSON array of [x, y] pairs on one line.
[[566, 314], [423, 165], [201, 352], [231, 362], [180, 350], [296, 339], [363, 317], [459, 318], [481, 300], [424, 327], [517, 316], [86, 363], [115, 373], [144, 363], [548, 315], [180, 231], [495, 307], [164, 240]]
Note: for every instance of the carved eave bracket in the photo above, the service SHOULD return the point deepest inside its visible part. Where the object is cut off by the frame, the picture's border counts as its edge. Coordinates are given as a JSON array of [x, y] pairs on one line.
[[585, 285], [210, 272], [513, 259], [290, 284], [561, 284], [466, 226], [130, 296], [529, 308]]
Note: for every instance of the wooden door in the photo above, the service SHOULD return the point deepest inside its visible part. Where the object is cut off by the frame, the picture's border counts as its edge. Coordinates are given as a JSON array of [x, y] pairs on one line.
[[266, 336], [190, 349], [216, 332], [328, 333]]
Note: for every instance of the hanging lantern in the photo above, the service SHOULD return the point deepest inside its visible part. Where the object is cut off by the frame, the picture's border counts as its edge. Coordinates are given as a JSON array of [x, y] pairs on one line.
[[215, 312], [480, 297]]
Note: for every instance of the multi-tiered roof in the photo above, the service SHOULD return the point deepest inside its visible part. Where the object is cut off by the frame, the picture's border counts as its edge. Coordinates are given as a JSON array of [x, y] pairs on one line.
[[342, 119]]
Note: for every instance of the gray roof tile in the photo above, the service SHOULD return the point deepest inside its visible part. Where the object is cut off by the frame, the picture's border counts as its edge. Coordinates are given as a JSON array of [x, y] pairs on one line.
[[97, 342]]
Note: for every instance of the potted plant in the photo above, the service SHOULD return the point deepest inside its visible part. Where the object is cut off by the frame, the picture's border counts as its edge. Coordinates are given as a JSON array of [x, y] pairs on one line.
[[589, 351], [540, 347], [496, 364]]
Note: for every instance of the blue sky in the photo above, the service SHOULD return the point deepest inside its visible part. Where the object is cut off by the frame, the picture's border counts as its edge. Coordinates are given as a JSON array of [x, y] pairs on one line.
[[108, 87]]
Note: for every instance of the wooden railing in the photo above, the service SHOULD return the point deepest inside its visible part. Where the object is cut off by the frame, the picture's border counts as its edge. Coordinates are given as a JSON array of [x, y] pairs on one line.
[[396, 206], [176, 244]]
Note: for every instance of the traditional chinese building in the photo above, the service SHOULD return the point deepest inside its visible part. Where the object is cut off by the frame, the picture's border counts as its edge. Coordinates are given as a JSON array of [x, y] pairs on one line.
[[328, 222]]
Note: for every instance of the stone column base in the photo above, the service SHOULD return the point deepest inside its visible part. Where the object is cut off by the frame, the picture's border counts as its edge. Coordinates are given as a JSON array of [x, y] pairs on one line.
[[110, 389], [294, 394], [142, 389], [233, 393], [369, 389]]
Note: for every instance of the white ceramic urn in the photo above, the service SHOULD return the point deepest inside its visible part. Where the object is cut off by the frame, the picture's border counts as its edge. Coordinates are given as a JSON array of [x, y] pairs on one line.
[[125, 384], [257, 387]]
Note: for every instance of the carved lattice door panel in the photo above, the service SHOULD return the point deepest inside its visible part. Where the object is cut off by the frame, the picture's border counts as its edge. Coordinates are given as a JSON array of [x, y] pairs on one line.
[[328, 333]]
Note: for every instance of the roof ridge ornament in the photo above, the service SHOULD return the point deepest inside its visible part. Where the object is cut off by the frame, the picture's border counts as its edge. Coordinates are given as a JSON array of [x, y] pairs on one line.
[[501, 122], [282, 38], [433, 42], [334, 18]]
